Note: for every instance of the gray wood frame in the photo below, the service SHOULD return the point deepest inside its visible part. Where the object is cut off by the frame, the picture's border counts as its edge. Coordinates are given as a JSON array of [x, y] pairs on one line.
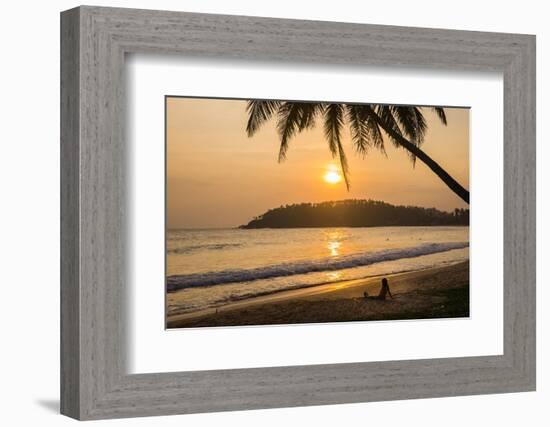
[[94, 382]]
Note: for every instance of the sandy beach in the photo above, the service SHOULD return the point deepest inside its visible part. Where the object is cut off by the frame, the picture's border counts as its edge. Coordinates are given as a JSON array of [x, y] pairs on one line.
[[432, 293]]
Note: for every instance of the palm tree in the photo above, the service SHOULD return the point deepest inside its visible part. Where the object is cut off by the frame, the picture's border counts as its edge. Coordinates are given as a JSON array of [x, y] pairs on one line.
[[405, 126]]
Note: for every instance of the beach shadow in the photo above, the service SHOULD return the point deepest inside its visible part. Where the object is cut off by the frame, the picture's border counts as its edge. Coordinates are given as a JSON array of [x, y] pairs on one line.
[[51, 405]]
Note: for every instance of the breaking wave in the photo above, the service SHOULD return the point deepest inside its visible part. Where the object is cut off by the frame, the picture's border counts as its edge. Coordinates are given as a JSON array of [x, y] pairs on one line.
[[175, 283]]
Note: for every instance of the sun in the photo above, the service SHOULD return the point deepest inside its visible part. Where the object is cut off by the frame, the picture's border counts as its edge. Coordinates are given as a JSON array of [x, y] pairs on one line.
[[332, 176]]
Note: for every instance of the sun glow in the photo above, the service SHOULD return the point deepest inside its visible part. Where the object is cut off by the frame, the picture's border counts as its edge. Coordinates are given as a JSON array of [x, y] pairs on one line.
[[332, 176]]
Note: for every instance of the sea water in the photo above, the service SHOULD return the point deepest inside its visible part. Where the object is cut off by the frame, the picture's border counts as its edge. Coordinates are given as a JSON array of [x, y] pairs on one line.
[[209, 268]]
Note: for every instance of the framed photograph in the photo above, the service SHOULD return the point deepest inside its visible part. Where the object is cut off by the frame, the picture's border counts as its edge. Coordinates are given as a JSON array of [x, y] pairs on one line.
[[262, 213], [252, 242]]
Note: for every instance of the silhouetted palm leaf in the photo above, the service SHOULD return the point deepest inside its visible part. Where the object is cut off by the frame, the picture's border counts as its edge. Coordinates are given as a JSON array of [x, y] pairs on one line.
[[440, 111], [294, 117], [333, 123], [360, 133], [413, 124], [258, 113], [405, 127]]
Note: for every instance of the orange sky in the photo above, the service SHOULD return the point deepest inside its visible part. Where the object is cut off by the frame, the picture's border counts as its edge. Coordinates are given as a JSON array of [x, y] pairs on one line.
[[219, 177]]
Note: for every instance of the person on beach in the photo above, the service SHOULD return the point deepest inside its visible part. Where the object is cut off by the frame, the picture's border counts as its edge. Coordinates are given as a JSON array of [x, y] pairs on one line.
[[384, 290]]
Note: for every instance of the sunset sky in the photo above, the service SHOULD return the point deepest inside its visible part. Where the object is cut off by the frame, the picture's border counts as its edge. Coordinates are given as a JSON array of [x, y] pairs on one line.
[[219, 177]]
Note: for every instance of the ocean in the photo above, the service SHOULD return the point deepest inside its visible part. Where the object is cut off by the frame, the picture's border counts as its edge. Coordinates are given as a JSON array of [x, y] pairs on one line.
[[210, 268]]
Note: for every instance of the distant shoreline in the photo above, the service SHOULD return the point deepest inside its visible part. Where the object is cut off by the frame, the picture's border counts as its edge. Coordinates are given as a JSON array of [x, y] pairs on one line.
[[355, 213], [440, 292], [239, 227]]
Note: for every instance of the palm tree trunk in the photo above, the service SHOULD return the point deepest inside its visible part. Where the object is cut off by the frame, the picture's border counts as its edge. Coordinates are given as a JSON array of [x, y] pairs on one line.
[[458, 189]]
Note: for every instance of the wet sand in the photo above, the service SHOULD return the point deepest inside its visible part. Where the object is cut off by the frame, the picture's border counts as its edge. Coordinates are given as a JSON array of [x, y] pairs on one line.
[[434, 293]]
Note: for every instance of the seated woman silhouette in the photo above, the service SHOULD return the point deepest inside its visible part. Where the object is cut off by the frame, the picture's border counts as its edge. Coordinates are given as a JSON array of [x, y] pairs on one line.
[[384, 290]]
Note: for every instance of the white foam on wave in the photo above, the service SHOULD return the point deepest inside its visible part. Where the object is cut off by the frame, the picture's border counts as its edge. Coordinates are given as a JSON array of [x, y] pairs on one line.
[[174, 283]]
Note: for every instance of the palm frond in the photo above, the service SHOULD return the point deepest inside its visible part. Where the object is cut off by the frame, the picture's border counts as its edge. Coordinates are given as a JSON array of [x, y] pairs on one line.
[[309, 113], [412, 122], [294, 117], [373, 128], [334, 121], [344, 164], [258, 113], [406, 122], [359, 131], [365, 132], [385, 114], [440, 111], [404, 126]]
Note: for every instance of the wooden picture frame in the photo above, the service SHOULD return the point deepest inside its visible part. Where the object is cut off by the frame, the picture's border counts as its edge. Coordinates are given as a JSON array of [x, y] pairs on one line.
[[94, 381]]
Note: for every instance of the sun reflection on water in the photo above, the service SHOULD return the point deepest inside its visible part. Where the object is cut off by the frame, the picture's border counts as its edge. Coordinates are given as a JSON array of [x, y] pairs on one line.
[[334, 242], [333, 247], [334, 276]]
